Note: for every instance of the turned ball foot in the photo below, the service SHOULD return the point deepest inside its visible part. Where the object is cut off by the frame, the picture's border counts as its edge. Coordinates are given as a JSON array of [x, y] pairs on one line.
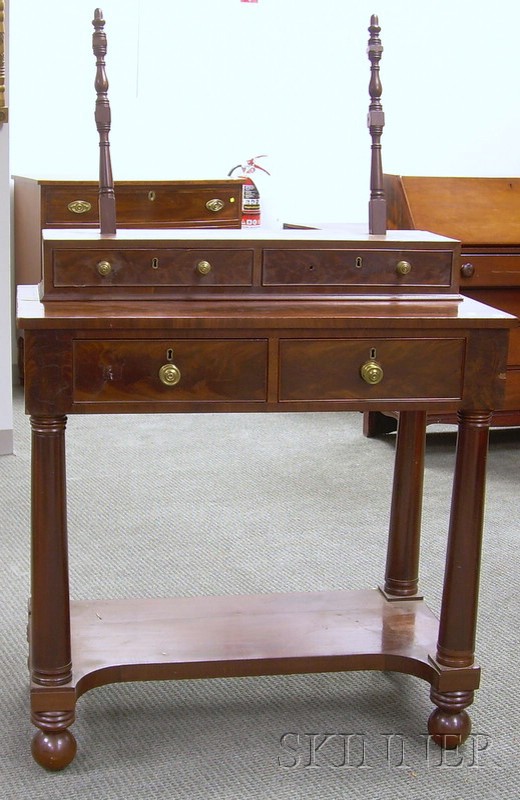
[[449, 730], [54, 751], [449, 724]]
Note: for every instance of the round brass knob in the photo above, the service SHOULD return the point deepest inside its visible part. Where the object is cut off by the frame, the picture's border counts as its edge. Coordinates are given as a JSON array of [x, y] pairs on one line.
[[203, 267], [215, 205], [104, 268], [372, 372], [467, 270], [169, 374], [403, 267]]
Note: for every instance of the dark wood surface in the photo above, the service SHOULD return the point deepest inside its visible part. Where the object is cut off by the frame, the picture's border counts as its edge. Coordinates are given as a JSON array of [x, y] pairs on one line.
[[188, 264], [289, 321], [67, 204], [376, 120], [107, 197], [484, 213], [297, 354]]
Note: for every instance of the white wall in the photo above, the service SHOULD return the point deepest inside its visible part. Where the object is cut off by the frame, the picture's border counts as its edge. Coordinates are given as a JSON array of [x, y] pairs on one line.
[[197, 87], [6, 405]]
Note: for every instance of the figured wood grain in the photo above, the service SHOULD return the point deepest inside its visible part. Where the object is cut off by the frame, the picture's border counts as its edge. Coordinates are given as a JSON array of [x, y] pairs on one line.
[[119, 370], [477, 211], [221, 636]]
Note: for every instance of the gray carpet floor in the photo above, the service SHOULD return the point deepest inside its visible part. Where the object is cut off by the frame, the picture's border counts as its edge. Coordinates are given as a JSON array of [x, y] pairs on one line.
[[218, 504]]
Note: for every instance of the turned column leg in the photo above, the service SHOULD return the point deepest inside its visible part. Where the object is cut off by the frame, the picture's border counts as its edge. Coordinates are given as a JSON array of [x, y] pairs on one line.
[[450, 724], [402, 563], [50, 653]]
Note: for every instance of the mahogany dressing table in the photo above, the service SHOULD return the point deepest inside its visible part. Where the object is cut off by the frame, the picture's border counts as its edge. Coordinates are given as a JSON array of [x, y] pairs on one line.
[[151, 321]]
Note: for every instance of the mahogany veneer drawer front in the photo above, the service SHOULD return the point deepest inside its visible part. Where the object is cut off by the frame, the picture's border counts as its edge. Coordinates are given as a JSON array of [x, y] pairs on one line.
[[146, 204], [357, 268], [167, 370], [331, 369], [149, 204], [137, 265], [160, 267]]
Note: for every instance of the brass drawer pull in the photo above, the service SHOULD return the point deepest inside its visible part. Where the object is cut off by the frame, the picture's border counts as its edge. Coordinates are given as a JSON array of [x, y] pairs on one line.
[[79, 206], [203, 267], [467, 270], [372, 372], [104, 268], [403, 268], [215, 205], [169, 374]]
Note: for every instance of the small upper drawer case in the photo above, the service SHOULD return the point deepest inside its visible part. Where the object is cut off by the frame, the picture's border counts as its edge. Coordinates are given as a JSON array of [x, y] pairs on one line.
[[190, 264]]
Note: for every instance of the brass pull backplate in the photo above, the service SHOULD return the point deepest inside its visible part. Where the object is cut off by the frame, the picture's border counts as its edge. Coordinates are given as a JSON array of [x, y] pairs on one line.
[[79, 206], [372, 372], [215, 205], [169, 374]]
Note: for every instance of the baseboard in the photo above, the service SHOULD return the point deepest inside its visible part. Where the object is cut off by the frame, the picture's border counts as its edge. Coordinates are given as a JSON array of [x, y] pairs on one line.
[[6, 443]]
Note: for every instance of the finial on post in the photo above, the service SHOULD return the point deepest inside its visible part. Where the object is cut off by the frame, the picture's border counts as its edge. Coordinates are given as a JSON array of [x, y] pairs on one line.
[[376, 121], [107, 200]]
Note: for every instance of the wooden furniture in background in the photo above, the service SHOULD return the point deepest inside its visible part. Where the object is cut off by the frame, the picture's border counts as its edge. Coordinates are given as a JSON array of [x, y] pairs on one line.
[[484, 213], [42, 204], [158, 321]]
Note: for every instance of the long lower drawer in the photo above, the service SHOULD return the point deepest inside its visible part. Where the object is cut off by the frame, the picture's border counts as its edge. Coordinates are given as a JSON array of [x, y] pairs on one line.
[[341, 369], [167, 370]]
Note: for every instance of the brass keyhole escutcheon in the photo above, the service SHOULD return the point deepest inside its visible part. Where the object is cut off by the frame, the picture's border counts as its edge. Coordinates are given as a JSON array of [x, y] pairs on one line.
[[169, 374], [215, 205], [104, 268], [403, 268], [151, 196], [372, 372], [203, 267]]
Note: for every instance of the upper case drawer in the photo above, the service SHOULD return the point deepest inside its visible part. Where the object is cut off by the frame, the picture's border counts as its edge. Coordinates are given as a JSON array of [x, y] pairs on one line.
[[357, 269], [71, 267], [122, 370], [146, 204], [330, 369]]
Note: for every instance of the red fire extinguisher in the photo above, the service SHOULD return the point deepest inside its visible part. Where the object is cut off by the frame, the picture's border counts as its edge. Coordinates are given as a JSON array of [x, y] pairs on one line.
[[251, 216]]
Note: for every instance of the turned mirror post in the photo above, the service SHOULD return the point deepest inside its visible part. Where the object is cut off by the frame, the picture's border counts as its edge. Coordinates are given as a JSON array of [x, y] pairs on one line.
[[107, 200], [376, 121]]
